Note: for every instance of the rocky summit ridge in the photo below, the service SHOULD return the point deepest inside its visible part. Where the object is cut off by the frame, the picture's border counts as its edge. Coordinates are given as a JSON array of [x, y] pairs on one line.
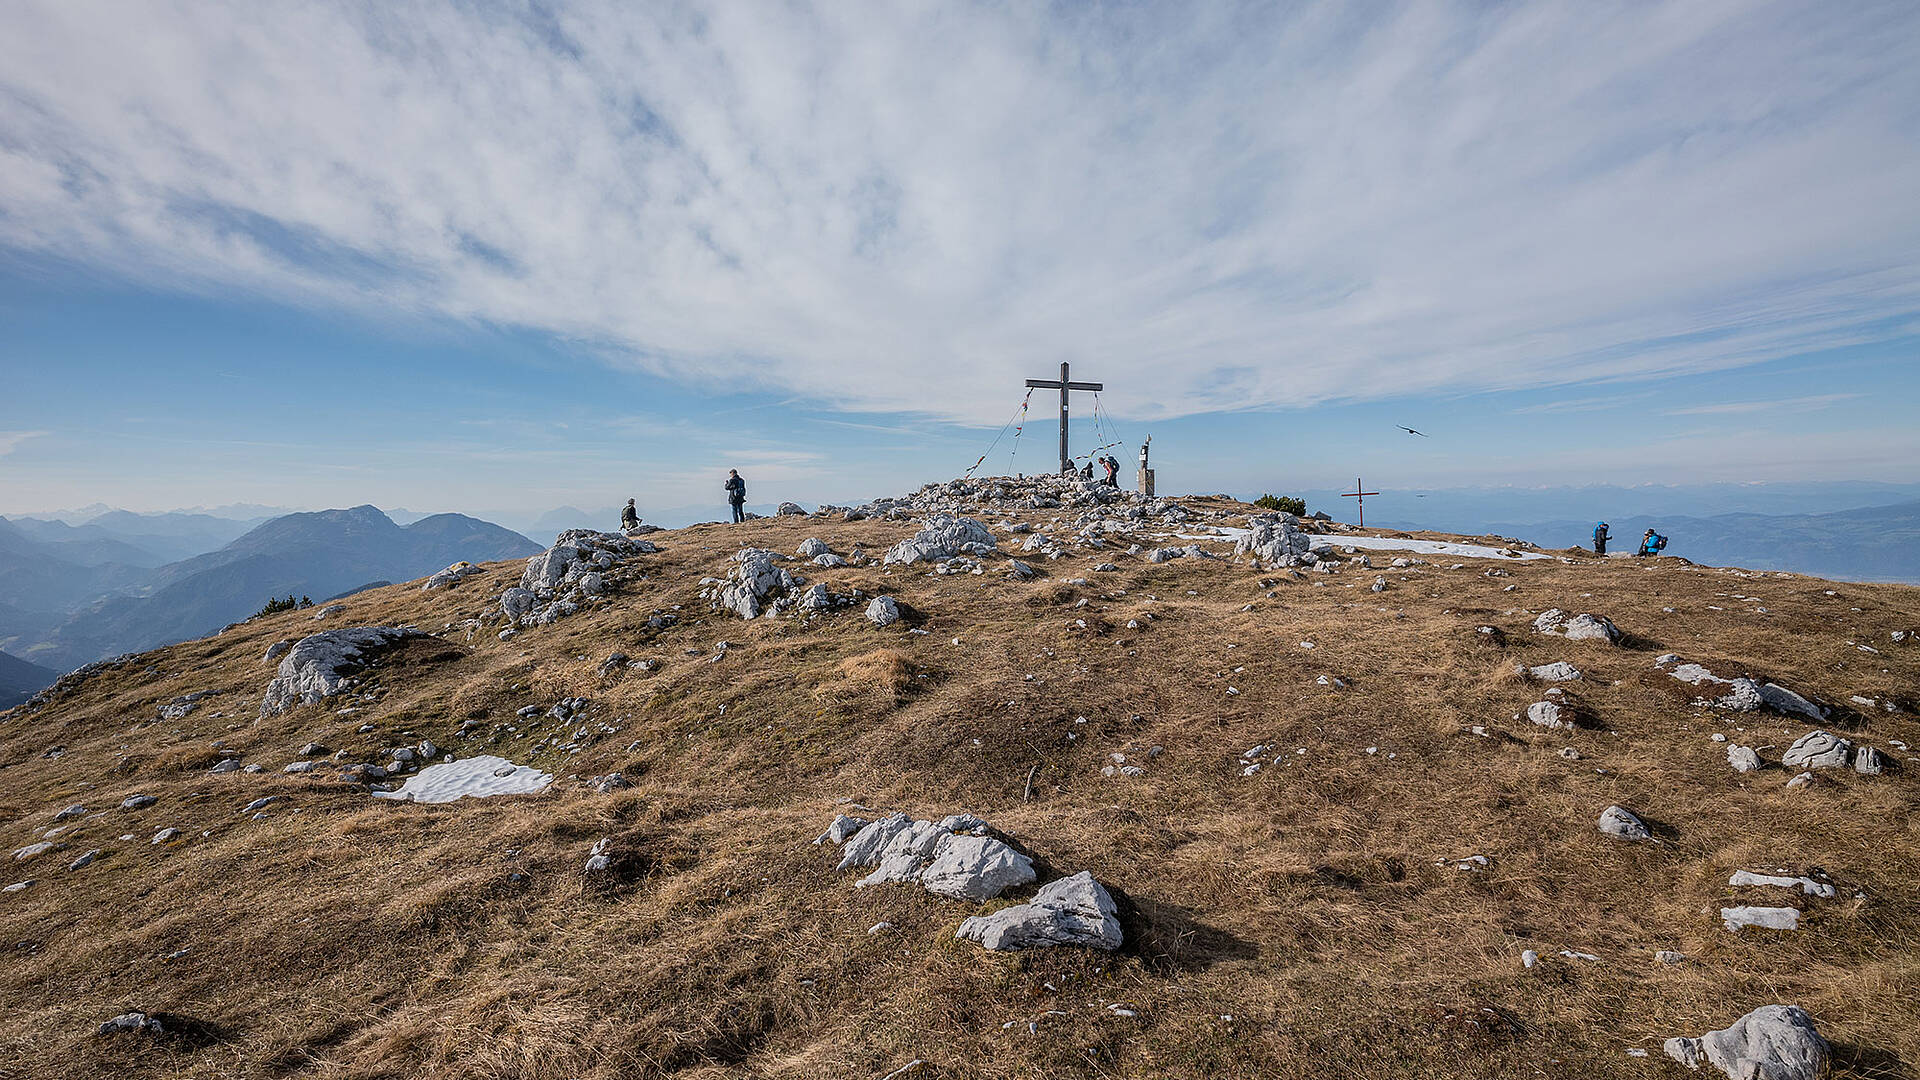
[[1000, 777]]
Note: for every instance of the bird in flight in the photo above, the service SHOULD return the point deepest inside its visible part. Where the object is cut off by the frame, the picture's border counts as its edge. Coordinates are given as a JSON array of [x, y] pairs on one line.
[[1410, 431]]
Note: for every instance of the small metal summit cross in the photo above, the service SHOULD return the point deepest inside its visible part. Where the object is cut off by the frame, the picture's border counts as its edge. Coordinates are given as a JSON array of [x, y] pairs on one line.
[[1066, 460], [1359, 494]]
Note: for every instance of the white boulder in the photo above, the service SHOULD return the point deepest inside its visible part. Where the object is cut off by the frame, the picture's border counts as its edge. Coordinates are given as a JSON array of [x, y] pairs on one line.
[[1074, 910], [1620, 822], [943, 536], [883, 611], [1817, 750], [1773, 1042]]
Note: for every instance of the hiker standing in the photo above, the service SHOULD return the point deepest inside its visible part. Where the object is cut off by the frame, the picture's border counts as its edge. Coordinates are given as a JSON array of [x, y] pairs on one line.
[[1600, 539], [737, 495], [1113, 470], [629, 517], [1086, 471]]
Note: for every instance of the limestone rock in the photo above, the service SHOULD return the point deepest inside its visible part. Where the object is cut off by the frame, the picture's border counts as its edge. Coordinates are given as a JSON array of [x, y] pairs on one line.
[[811, 547], [1582, 627], [1869, 762], [1547, 714], [1074, 910], [943, 536], [883, 611], [1558, 671], [319, 665], [790, 509], [1773, 1042], [555, 582], [131, 1022], [1743, 758], [1817, 750], [755, 579], [452, 575], [1274, 540], [974, 868], [1767, 918], [1620, 822]]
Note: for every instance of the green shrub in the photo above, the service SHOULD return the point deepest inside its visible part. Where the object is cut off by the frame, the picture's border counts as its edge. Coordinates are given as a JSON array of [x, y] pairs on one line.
[[1286, 504], [276, 605]]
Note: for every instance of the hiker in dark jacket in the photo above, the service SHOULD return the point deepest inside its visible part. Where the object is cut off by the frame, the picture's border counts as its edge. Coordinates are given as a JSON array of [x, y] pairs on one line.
[[1600, 539], [629, 516], [737, 495], [1113, 470]]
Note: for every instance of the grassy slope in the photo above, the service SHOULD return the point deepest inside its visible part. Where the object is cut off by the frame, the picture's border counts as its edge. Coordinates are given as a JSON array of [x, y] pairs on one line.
[[343, 939]]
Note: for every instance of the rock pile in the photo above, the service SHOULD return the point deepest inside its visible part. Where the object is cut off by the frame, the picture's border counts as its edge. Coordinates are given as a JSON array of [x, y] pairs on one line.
[[560, 579], [452, 575], [754, 583], [320, 665], [1276, 540], [941, 537]]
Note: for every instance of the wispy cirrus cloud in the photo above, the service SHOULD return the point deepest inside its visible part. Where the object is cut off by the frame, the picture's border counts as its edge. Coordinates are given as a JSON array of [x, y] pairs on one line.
[[11, 440], [882, 206], [1797, 404]]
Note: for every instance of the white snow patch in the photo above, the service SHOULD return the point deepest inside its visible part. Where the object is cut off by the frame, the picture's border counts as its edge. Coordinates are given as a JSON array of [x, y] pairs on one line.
[[476, 776], [1387, 543]]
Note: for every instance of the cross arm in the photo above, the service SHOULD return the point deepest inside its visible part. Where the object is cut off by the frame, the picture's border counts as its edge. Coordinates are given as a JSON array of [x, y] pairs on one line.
[[1049, 384], [1085, 386]]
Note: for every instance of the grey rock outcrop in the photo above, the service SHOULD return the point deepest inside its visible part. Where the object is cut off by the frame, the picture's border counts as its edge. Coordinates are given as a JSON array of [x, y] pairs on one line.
[[1582, 627], [1743, 758], [790, 509], [754, 581], [1548, 714], [811, 547], [1275, 540], [1617, 821], [556, 582], [1558, 671], [1773, 1042], [1074, 910], [953, 857], [320, 665], [1817, 750], [1743, 694], [943, 536], [452, 575]]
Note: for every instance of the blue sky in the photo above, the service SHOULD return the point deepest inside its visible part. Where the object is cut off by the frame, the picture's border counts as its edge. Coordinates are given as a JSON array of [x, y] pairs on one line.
[[502, 258]]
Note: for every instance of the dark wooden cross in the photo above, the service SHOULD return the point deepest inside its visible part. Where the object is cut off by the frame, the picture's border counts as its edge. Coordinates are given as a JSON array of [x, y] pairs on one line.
[[1359, 494], [1066, 460]]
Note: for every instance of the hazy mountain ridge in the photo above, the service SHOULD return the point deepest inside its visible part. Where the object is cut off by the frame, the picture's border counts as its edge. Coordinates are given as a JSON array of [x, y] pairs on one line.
[[1880, 543], [316, 554], [19, 680]]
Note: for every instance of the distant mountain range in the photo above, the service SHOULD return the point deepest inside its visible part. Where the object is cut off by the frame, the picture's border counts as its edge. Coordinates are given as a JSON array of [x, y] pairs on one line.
[[20, 680], [58, 616], [1879, 543]]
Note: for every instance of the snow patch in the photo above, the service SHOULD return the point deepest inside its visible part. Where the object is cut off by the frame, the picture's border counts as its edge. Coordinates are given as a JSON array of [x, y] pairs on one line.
[[476, 776]]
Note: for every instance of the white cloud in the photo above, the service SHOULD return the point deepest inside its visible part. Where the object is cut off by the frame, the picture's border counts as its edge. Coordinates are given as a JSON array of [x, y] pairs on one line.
[[11, 440], [1729, 408], [916, 207]]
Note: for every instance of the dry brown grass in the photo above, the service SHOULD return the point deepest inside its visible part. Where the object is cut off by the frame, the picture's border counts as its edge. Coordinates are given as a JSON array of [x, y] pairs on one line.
[[1313, 903]]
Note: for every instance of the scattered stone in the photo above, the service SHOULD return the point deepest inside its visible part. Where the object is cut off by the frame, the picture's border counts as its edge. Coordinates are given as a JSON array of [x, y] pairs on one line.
[[278, 649], [1074, 910], [844, 826], [452, 575], [1558, 671], [1807, 885], [1869, 762], [1619, 822], [21, 886], [1273, 541], [1528, 958], [165, 836], [947, 858], [1668, 956], [31, 850], [260, 804], [129, 1023], [180, 707], [1743, 758], [1770, 918], [754, 579], [1773, 1042], [85, 860], [71, 812], [137, 802], [812, 547]]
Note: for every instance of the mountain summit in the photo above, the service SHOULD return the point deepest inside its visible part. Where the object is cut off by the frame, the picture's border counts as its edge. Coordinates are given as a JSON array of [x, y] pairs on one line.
[[999, 778]]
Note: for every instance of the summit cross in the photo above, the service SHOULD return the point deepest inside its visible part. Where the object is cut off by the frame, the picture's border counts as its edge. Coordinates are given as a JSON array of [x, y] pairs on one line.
[[1064, 385], [1359, 494]]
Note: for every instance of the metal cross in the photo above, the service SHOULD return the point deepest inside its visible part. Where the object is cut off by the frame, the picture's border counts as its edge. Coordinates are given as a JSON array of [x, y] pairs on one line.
[[1066, 460]]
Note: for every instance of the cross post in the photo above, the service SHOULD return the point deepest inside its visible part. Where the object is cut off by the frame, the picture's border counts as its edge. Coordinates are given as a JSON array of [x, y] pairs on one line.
[[1359, 494], [1064, 385]]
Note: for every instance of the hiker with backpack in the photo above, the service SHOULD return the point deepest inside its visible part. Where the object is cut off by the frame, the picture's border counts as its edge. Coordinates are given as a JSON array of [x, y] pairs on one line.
[[1652, 543], [629, 517], [1113, 470], [1600, 539], [737, 495]]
